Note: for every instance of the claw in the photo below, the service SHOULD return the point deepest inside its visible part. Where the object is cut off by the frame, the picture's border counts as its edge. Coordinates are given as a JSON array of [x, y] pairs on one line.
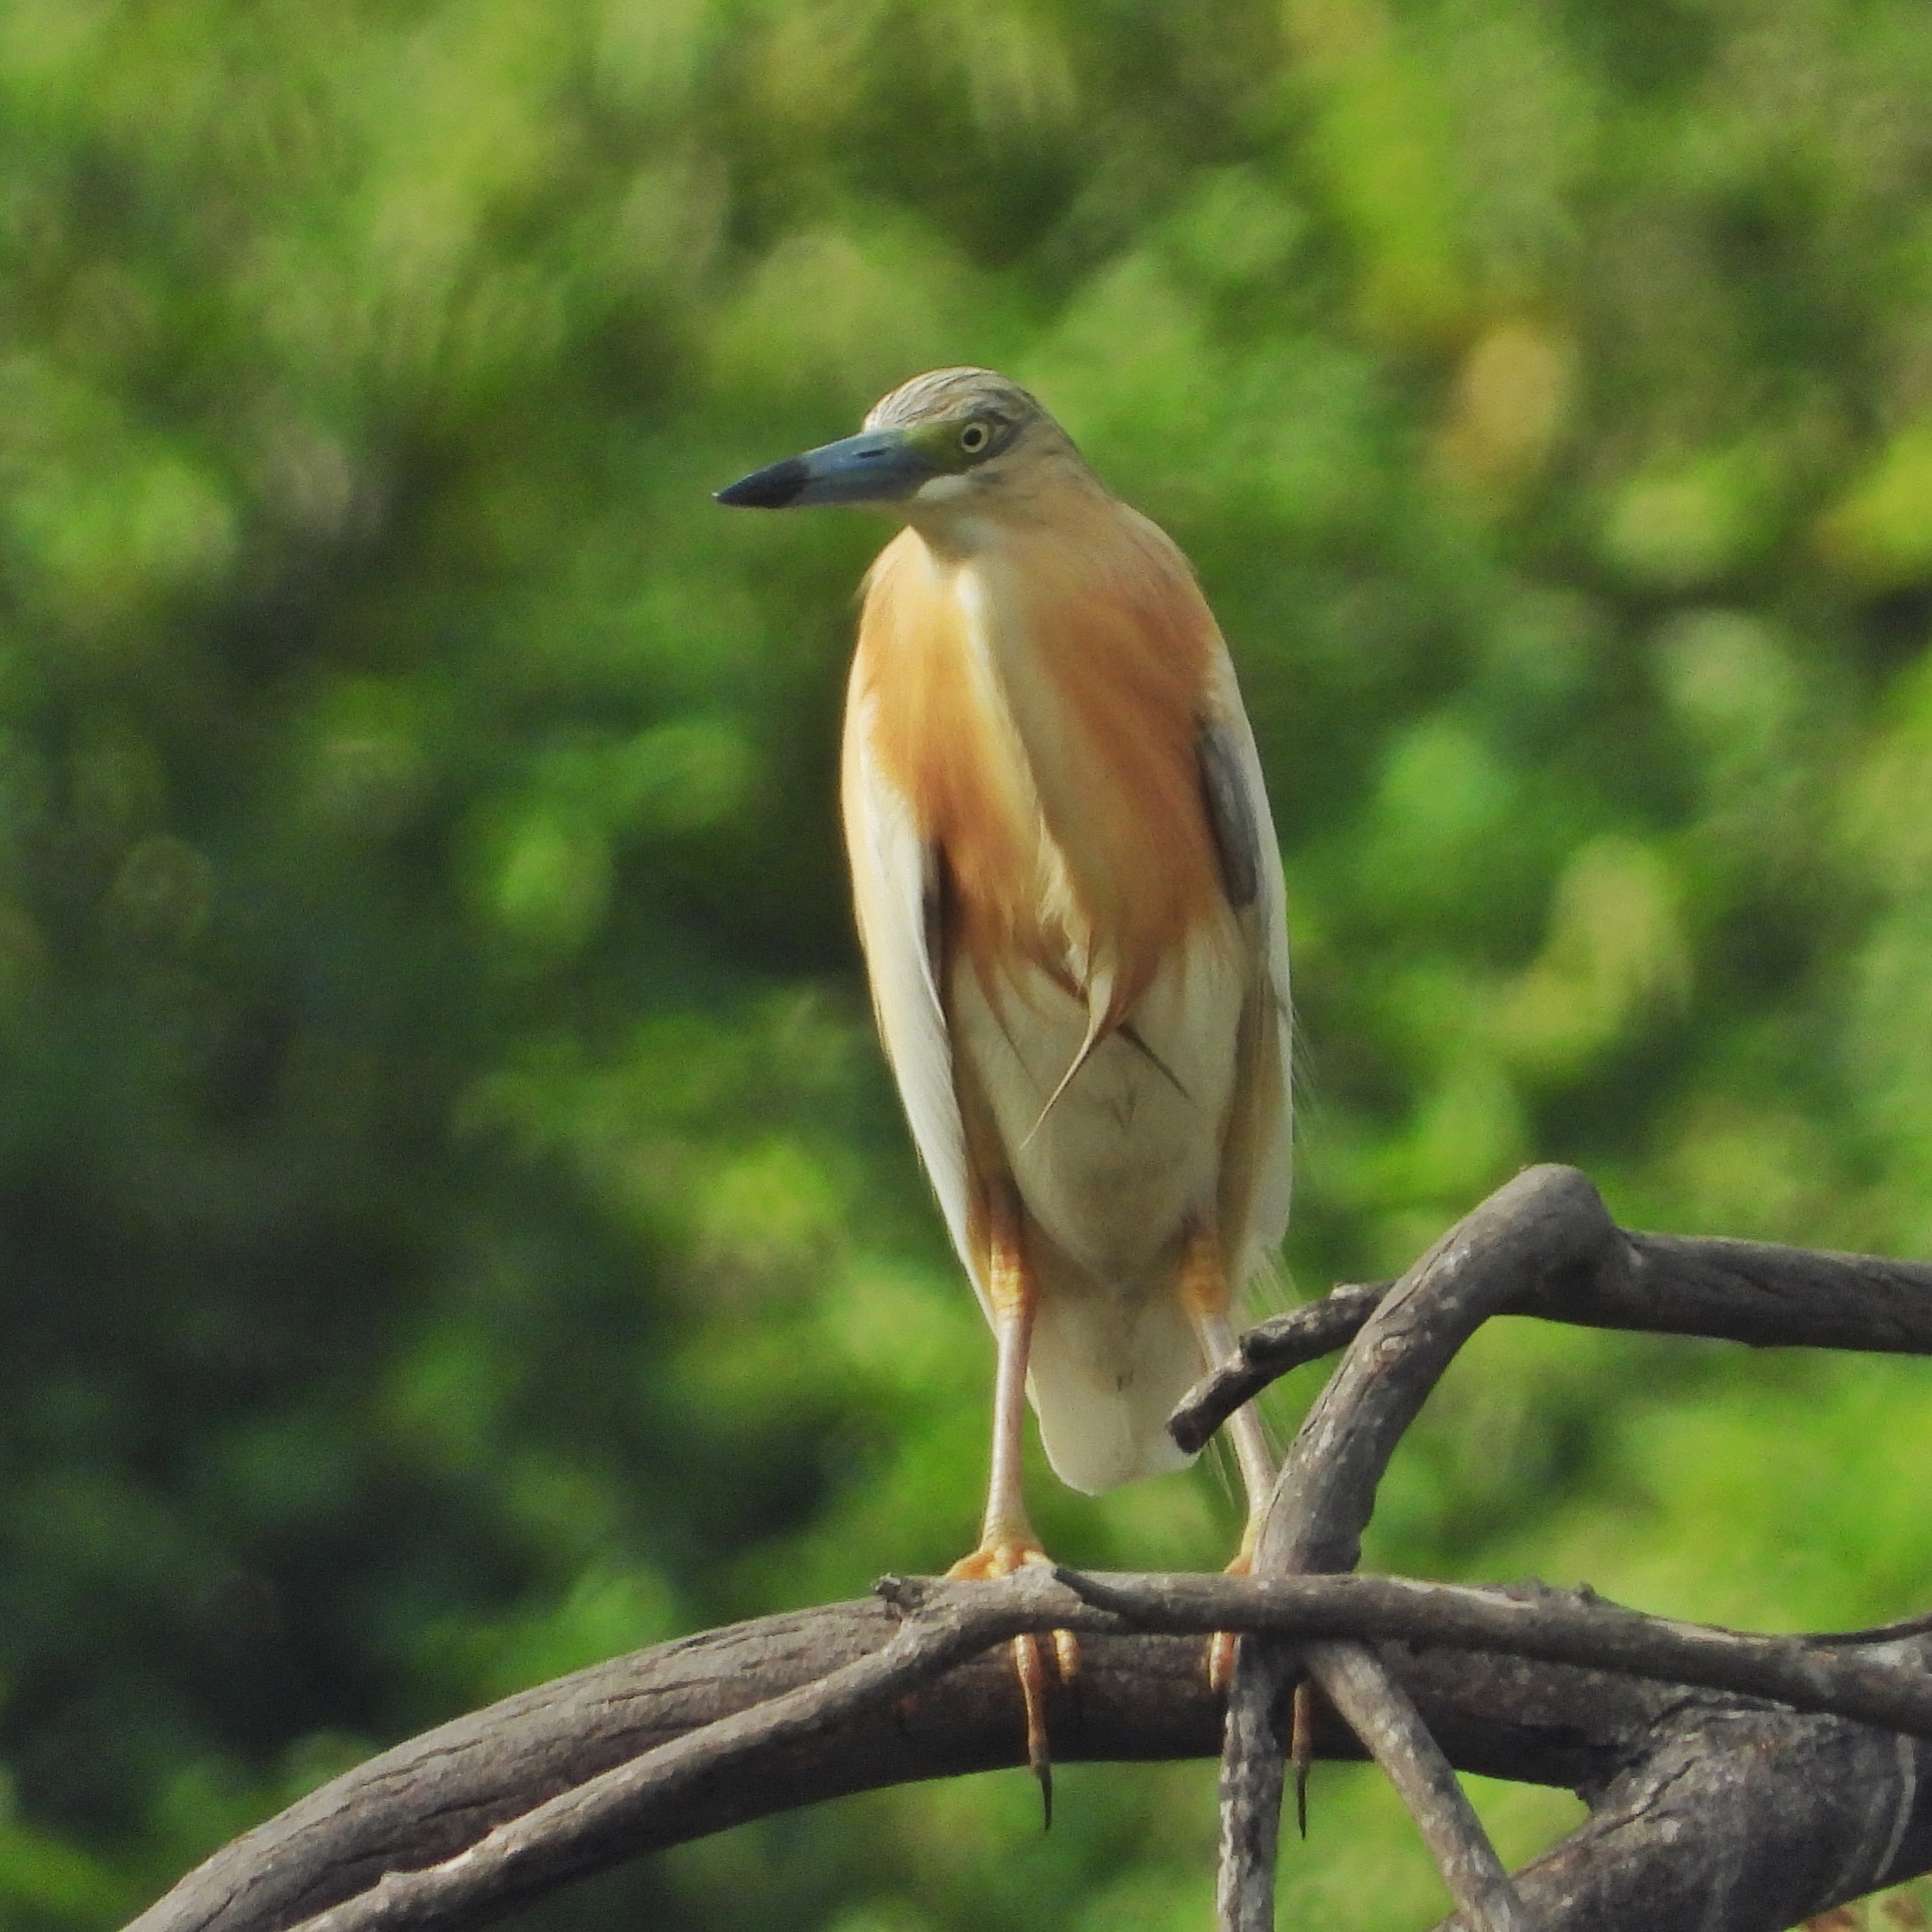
[[1301, 1750], [1030, 1668], [988, 1563]]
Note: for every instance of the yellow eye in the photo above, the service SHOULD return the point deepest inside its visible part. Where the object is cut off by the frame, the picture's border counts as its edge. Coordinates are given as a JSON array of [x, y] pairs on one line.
[[974, 437]]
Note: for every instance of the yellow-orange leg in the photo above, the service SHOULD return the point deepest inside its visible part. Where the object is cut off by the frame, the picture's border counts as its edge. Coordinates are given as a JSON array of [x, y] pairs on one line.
[[1204, 1287], [1006, 1540], [1205, 1293]]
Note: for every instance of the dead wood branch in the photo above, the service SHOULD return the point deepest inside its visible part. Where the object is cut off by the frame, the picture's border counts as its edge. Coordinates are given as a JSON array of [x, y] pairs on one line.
[[1542, 1243], [1892, 1688], [1710, 1807], [590, 1825], [385, 1847], [427, 1801], [1546, 1221], [1374, 1706], [1750, 1291]]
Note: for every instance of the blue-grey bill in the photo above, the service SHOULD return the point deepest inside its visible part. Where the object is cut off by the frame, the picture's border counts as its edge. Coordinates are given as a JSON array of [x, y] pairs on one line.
[[878, 466]]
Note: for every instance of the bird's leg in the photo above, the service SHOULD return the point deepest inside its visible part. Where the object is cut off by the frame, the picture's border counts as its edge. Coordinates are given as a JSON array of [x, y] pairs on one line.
[[1006, 1539], [1205, 1294], [1204, 1280]]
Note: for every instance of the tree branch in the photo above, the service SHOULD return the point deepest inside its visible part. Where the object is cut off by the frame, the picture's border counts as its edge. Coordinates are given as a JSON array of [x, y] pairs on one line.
[[1735, 1819], [1379, 1711], [591, 1824], [1547, 1221], [1765, 1296], [1893, 1690], [500, 1807], [1544, 1244], [1709, 1808], [1141, 1698]]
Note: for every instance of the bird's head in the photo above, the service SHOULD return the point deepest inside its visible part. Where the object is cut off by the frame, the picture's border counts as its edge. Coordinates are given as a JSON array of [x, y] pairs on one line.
[[945, 442]]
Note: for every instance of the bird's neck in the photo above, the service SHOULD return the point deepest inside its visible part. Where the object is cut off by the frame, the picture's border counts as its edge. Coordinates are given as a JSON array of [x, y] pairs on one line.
[[960, 521]]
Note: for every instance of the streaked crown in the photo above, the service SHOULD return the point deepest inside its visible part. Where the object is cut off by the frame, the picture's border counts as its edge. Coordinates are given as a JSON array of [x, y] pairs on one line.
[[949, 395]]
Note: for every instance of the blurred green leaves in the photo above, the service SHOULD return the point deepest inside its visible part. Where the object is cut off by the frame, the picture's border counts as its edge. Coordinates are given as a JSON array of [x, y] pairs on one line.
[[456, 1223]]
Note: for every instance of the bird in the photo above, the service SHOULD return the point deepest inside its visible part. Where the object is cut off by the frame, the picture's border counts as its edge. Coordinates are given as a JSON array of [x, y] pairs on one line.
[[1071, 906]]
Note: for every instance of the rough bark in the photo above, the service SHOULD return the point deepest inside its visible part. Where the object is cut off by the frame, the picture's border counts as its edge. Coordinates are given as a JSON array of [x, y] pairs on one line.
[[1734, 1784]]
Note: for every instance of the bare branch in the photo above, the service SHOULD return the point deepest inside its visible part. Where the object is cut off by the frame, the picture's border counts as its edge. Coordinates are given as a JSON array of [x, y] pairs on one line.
[[1728, 1291], [1378, 1710], [1270, 1350], [580, 1829], [1802, 1796], [1547, 1221], [1738, 1821], [1555, 1626], [1707, 1807], [424, 1801]]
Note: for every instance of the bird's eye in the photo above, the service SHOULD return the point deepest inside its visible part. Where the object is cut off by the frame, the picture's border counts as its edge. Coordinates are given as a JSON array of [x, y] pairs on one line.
[[974, 437]]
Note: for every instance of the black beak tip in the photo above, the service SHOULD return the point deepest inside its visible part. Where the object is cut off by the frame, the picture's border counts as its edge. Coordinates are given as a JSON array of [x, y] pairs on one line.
[[772, 487]]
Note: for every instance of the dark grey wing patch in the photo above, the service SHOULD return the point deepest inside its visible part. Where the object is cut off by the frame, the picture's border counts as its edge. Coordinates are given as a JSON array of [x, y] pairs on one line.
[[932, 918], [1230, 818]]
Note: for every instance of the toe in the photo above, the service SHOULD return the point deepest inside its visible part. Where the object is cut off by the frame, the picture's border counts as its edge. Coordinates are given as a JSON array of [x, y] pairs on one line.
[[1066, 1656], [1221, 1661]]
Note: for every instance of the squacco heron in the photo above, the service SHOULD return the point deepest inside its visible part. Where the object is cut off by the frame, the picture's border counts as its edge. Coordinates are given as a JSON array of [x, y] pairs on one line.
[[1070, 903]]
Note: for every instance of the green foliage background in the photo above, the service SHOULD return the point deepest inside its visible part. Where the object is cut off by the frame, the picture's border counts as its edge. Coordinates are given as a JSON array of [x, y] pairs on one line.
[[455, 1223]]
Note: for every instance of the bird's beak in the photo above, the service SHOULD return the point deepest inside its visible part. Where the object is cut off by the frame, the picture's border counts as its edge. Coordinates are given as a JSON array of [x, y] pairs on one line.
[[879, 466]]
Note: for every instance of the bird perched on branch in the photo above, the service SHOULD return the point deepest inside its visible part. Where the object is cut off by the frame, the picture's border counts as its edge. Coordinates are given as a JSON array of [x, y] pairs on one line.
[[1070, 901]]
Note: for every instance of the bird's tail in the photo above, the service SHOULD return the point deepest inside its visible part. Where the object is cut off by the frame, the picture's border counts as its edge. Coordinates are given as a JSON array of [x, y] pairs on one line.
[[1107, 1367]]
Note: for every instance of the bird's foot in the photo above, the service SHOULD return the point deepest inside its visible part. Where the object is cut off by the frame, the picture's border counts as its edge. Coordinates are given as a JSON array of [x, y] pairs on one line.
[[1221, 1647], [1006, 1557]]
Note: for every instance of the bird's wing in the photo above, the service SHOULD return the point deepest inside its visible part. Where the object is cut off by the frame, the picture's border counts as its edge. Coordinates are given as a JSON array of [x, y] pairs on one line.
[[1250, 865], [895, 876], [1231, 813]]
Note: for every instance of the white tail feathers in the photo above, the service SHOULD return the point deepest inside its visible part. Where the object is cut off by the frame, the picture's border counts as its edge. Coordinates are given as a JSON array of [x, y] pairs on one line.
[[1106, 1371]]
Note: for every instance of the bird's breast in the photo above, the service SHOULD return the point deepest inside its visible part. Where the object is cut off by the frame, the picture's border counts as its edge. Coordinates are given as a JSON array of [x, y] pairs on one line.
[[1038, 701]]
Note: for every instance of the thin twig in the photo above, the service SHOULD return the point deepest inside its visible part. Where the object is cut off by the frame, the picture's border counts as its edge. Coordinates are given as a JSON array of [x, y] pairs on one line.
[[1270, 1350], [1554, 1626], [1920, 1625], [1382, 1717], [1362, 1689], [1726, 1291]]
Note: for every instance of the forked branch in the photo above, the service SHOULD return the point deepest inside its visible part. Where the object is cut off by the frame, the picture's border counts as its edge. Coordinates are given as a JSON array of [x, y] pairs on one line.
[[671, 1743], [1543, 1243], [1710, 1805], [1547, 1221], [1765, 1296]]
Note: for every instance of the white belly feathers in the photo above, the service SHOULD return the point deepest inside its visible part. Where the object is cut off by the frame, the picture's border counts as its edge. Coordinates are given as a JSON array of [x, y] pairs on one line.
[[1114, 1176], [1118, 1168]]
